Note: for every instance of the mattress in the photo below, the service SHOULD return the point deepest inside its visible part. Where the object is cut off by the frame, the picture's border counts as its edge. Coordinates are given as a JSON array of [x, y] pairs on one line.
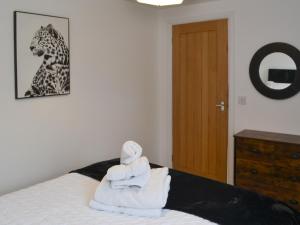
[[64, 201]]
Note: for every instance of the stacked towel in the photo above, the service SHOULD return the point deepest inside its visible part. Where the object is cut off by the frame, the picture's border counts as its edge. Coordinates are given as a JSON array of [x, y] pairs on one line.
[[147, 201], [130, 152], [136, 174], [134, 182], [125, 210], [132, 187], [134, 171]]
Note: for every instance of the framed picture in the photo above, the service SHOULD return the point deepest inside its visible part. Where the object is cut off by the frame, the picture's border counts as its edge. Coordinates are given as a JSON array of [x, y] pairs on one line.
[[42, 55]]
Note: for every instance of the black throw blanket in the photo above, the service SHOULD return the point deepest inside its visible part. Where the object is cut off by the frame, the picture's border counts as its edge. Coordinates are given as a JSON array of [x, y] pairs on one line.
[[220, 203]]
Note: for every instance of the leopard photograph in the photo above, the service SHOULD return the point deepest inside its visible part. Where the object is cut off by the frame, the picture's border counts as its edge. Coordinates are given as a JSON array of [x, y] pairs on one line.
[[53, 75]]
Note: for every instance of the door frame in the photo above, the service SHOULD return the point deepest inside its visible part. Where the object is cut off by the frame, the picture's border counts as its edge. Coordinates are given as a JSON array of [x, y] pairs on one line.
[[231, 81]]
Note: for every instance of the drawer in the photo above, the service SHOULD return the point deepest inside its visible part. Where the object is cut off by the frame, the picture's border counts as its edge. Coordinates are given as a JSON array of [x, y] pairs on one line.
[[254, 149], [287, 155], [267, 174], [291, 198], [284, 155]]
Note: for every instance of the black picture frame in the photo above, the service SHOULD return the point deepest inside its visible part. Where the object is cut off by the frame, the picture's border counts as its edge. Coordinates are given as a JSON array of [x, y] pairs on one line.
[[258, 57], [16, 51]]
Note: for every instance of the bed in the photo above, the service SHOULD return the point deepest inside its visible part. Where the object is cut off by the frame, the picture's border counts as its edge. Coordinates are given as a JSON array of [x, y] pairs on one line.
[[192, 201]]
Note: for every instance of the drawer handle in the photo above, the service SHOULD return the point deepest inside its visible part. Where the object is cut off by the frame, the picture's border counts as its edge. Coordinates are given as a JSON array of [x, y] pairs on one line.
[[295, 155], [254, 150], [293, 202], [253, 171], [294, 178]]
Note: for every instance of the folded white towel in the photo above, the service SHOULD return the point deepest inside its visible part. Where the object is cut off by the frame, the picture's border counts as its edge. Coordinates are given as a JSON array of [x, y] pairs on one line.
[[122, 172], [134, 182], [129, 211], [130, 152], [153, 196]]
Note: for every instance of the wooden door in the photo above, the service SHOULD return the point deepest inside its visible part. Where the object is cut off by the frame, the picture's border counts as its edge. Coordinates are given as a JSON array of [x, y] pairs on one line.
[[200, 84]]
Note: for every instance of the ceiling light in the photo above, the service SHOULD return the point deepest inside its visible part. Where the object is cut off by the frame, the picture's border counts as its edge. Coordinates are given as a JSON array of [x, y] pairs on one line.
[[161, 2]]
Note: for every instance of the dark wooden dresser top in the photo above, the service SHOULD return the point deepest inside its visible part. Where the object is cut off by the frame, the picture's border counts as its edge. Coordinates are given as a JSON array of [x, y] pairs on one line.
[[269, 136]]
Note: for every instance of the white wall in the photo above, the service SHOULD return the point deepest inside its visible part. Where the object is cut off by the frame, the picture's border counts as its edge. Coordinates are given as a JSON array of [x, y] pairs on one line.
[[121, 83], [112, 83], [253, 23]]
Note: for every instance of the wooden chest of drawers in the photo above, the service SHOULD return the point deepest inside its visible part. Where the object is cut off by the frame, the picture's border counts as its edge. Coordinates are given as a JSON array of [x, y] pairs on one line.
[[269, 163]]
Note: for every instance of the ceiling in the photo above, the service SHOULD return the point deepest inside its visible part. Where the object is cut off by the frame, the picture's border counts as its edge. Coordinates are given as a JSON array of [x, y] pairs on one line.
[[186, 2]]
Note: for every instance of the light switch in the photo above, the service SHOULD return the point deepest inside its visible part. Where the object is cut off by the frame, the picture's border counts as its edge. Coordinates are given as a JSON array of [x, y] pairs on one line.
[[242, 100]]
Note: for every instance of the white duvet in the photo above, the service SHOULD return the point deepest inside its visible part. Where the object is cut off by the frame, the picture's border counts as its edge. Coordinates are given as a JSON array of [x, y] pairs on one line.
[[64, 201]]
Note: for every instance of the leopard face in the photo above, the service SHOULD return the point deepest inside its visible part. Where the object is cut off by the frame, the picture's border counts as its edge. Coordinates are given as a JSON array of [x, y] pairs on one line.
[[44, 39]]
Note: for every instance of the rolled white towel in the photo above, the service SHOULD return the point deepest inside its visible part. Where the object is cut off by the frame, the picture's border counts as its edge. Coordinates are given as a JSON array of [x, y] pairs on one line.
[[139, 167], [129, 211], [130, 152], [134, 182], [153, 196]]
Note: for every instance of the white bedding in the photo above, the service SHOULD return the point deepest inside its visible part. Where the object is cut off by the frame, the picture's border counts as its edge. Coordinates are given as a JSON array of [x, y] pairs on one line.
[[64, 201]]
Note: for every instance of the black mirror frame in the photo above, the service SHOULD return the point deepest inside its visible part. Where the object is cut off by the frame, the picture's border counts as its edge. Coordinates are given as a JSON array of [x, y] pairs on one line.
[[287, 49]]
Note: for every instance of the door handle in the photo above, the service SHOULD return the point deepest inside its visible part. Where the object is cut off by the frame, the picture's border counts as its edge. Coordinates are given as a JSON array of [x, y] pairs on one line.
[[221, 106]]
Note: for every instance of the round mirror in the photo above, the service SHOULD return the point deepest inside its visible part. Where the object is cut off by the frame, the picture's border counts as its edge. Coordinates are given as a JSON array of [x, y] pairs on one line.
[[274, 70]]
